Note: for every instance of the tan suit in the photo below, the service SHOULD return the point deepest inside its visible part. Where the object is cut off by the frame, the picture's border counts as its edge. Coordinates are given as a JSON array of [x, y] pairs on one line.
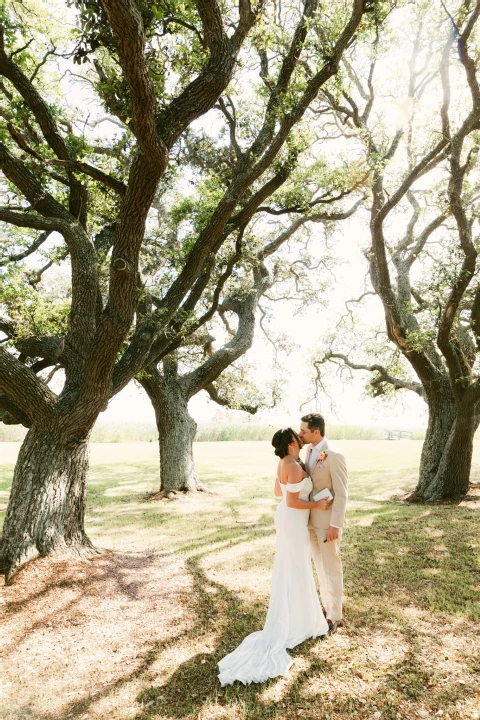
[[331, 474]]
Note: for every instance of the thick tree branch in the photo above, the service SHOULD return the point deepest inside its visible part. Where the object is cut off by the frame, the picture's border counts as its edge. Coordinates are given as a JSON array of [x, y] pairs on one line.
[[383, 376], [468, 62], [7, 327], [126, 21], [287, 69], [86, 296], [43, 115], [47, 348], [475, 316], [14, 257], [225, 402], [10, 414], [209, 371], [30, 394], [313, 87], [458, 365], [203, 92], [92, 172], [35, 102], [30, 187], [32, 220], [247, 18]]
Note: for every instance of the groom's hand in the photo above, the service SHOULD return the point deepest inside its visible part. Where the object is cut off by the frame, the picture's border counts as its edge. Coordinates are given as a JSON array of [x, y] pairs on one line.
[[332, 533]]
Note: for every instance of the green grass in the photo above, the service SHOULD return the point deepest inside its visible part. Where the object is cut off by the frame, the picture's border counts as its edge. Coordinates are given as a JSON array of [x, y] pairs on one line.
[[412, 580]]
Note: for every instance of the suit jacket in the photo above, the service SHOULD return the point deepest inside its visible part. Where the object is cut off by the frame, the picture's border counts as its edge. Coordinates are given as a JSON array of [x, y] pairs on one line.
[[331, 474]]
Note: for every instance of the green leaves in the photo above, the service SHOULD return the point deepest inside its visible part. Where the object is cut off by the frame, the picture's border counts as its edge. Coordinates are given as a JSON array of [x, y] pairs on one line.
[[35, 311]]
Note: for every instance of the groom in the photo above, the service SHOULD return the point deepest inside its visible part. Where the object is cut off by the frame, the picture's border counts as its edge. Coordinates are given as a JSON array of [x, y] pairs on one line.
[[327, 469]]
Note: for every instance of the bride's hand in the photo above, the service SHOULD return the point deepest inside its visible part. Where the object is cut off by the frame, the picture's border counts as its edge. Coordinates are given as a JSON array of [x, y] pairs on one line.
[[323, 504]]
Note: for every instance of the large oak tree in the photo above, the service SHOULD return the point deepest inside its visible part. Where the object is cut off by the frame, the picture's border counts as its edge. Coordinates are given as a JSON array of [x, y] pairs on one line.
[[423, 252]]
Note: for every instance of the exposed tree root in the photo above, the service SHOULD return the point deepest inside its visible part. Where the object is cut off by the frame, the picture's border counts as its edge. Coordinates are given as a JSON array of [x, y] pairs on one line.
[[29, 552], [177, 494]]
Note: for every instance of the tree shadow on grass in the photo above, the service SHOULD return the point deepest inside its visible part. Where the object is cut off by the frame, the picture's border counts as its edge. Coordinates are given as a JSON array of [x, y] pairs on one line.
[[117, 571], [225, 615], [385, 566], [417, 553], [387, 561], [42, 577]]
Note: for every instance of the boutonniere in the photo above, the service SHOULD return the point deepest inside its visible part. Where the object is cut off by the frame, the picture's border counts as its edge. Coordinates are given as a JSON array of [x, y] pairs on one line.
[[322, 456]]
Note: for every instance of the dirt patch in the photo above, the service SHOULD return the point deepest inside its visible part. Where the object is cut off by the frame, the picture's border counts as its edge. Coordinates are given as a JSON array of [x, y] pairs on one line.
[[77, 637], [472, 499]]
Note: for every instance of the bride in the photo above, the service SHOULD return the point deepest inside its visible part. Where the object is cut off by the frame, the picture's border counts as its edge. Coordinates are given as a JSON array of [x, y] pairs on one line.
[[294, 612]]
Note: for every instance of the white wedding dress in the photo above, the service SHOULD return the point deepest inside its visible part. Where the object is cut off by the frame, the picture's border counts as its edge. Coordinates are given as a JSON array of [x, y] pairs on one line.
[[294, 613]]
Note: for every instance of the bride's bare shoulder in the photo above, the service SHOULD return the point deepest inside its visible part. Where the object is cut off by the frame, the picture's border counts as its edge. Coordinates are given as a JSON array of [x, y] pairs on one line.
[[289, 464], [292, 469], [287, 468]]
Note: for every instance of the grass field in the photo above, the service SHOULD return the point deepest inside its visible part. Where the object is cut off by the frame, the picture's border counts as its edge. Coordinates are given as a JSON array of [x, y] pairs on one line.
[[137, 631]]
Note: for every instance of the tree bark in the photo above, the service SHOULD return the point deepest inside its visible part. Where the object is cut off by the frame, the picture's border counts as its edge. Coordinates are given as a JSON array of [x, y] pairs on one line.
[[176, 432], [441, 418], [452, 477], [46, 510]]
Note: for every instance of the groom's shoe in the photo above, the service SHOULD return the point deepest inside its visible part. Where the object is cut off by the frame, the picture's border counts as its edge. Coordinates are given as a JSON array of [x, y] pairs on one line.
[[333, 626]]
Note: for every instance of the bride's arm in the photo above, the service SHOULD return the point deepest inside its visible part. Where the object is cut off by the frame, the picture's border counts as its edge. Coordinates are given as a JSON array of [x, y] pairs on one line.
[[294, 477], [293, 501], [277, 490]]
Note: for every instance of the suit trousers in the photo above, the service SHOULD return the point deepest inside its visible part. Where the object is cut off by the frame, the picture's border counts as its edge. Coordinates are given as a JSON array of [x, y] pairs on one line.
[[326, 558]]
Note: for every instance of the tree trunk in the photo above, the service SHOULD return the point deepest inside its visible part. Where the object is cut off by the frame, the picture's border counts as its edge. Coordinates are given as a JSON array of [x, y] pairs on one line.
[[176, 431], [447, 452], [441, 418], [46, 509], [452, 478]]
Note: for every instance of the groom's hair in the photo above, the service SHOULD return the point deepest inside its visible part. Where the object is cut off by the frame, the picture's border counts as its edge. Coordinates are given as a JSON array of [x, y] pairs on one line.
[[315, 422]]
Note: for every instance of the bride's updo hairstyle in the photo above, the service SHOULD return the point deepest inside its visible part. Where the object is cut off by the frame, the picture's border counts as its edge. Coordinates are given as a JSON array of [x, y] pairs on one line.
[[282, 439]]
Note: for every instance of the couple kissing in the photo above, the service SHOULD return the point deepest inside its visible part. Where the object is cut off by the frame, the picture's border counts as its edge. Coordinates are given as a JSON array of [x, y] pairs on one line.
[[308, 524]]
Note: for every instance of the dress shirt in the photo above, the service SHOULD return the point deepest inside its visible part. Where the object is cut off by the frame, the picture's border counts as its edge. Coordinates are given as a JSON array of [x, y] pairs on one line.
[[314, 453]]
